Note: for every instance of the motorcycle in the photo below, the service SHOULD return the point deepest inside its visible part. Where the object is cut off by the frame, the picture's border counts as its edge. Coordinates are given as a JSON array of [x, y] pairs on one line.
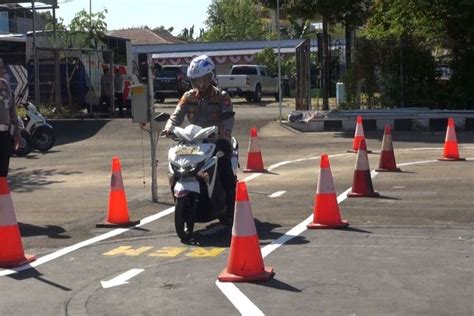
[[26, 141], [193, 173], [41, 132]]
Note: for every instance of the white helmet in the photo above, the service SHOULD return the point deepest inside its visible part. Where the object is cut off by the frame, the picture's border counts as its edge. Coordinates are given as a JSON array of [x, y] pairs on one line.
[[201, 66]]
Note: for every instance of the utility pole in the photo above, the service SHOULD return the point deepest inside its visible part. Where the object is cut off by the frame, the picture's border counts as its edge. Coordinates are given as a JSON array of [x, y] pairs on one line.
[[35, 58], [279, 60], [153, 134]]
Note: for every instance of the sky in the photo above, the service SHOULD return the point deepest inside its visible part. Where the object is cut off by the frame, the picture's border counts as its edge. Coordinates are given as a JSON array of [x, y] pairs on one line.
[[152, 13]]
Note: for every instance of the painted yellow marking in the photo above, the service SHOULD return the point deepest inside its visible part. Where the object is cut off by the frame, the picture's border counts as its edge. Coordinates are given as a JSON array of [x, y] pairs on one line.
[[127, 251], [203, 252], [168, 252]]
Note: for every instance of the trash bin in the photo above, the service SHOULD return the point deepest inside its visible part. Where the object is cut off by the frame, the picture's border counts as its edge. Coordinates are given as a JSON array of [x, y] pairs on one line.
[[340, 93]]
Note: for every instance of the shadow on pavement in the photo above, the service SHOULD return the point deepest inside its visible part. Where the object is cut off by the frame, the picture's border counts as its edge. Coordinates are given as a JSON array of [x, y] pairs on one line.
[[52, 231], [279, 285], [71, 131], [32, 273], [28, 181]]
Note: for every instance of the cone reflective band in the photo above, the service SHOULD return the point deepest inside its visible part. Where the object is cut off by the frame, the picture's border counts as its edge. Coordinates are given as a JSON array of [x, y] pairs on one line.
[[254, 156], [450, 151], [326, 210], [11, 246], [245, 262], [387, 155], [358, 135], [362, 182], [117, 215]]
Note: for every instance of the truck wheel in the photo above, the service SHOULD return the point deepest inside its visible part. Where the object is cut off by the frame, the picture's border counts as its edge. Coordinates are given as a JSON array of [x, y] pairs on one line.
[[257, 96]]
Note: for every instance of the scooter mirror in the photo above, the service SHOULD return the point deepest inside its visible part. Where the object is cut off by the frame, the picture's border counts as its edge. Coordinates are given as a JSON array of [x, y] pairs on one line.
[[227, 115], [161, 117]]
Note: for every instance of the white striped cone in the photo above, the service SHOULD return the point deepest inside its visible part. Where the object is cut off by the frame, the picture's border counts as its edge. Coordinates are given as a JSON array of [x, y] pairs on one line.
[[11, 251], [326, 209], [254, 157], [362, 182], [117, 215], [245, 262], [358, 135], [387, 155], [450, 150]]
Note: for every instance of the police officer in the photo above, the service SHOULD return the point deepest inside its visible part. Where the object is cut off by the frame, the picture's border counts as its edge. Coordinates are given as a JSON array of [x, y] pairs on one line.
[[203, 106], [9, 130]]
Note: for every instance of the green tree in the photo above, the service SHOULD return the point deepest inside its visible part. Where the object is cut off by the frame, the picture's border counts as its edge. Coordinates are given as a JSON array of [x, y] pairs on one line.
[[233, 20]]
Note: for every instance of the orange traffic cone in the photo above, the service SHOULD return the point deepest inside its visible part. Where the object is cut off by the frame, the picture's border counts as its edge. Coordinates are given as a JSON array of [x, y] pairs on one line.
[[11, 250], [362, 182], [117, 215], [326, 210], [254, 157], [387, 156], [245, 262], [358, 135], [451, 152]]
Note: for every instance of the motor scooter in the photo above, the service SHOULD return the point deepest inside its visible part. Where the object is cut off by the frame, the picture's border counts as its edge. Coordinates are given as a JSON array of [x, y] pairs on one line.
[[194, 175], [41, 132]]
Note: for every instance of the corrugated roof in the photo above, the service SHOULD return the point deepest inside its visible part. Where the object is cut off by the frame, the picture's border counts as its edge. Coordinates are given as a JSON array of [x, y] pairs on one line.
[[145, 37], [233, 52]]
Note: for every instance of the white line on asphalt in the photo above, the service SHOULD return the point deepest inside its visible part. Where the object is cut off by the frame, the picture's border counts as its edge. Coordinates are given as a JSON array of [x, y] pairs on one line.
[[121, 279], [85, 243], [237, 297], [276, 194]]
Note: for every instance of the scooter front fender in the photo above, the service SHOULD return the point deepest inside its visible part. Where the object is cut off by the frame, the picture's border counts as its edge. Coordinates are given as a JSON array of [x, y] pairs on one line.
[[183, 187]]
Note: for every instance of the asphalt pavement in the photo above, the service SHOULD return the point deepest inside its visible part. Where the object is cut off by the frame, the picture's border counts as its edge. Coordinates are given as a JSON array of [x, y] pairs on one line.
[[408, 252]]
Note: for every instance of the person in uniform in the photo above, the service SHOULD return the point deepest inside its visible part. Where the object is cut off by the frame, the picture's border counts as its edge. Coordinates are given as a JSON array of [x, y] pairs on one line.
[[9, 130], [203, 106]]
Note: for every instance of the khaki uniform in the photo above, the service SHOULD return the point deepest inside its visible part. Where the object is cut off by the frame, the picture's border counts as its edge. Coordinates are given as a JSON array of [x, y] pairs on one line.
[[203, 110], [8, 125]]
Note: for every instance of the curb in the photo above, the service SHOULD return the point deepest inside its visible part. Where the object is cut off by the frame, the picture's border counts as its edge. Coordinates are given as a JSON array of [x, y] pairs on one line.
[[433, 124]]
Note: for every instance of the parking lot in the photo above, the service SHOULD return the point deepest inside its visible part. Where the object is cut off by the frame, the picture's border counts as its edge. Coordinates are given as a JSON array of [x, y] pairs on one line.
[[408, 252]]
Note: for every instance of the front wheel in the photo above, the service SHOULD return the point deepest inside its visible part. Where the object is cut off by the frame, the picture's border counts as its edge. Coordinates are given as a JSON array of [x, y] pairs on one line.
[[25, 146], [44, 138], [184, 216]]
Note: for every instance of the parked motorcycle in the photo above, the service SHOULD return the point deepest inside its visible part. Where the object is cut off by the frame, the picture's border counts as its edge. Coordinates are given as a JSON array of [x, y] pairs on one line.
[[41, 132], [26, 141], [193, 174]]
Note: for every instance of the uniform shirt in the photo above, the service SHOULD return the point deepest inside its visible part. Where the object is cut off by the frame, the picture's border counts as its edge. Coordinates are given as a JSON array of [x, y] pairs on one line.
[[8, 114], [203, 109]]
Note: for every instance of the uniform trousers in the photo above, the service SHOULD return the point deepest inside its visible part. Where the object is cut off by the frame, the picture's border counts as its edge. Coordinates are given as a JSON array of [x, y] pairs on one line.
[[6, 143]]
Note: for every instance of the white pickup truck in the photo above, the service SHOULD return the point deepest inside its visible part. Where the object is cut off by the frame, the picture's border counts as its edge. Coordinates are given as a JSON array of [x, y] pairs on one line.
[[249, 81]]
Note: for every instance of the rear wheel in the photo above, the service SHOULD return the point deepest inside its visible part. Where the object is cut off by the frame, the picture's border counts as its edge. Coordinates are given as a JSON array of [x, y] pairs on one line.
[[257, 96], [184, 216]]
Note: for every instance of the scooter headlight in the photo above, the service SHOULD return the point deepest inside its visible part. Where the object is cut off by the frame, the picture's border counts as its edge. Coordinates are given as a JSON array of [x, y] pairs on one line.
[[187, 171]]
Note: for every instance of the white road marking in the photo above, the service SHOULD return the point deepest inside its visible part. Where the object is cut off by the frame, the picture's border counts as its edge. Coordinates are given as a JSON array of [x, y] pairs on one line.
[[276, 194], [85, 243], [121, 279], [240, 301], [237, 297]]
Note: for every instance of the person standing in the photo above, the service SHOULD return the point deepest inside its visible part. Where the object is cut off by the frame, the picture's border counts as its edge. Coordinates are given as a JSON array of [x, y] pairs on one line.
[[9, 129], [118, 86], [106, 91]]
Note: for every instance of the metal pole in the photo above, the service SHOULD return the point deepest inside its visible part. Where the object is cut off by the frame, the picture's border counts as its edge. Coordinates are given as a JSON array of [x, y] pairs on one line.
[[279, 60], [57, 83], [90, 68], [153, 134], [35, 58]]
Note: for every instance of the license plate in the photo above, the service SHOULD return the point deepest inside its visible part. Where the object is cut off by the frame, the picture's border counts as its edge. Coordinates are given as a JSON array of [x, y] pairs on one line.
[[188, 151], [232, 89]]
